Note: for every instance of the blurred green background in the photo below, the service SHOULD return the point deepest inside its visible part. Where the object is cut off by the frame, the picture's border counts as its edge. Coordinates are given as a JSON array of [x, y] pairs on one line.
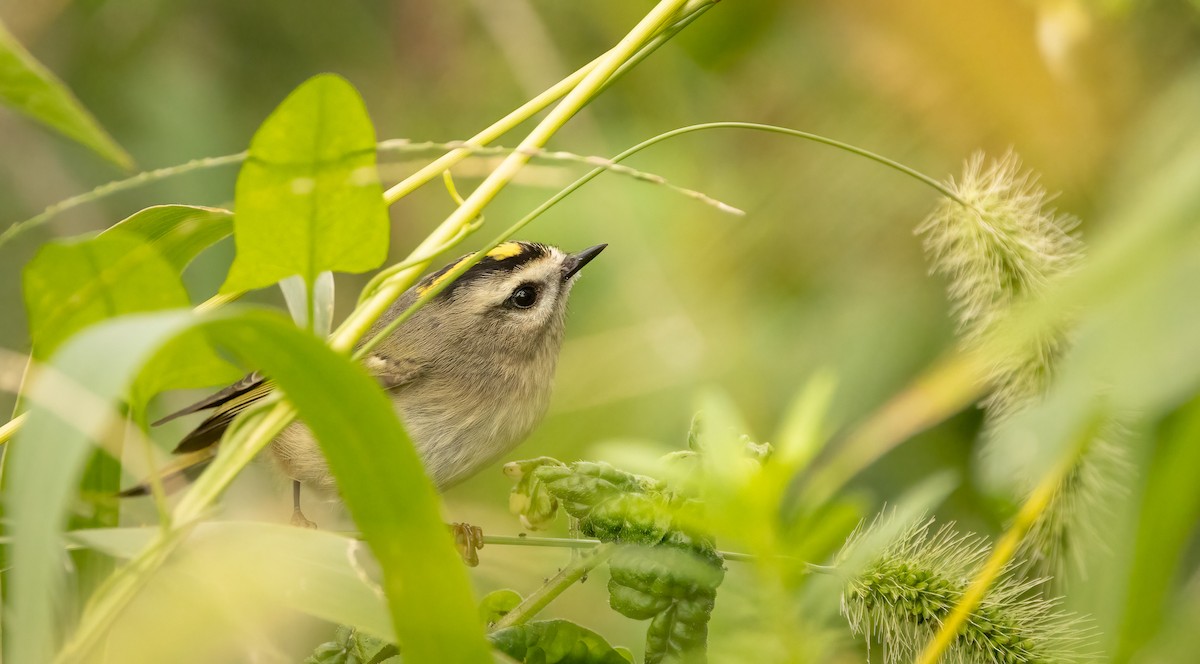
[[822, 273]]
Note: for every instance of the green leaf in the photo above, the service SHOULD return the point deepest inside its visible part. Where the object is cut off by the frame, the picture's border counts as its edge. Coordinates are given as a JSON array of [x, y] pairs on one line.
[[43, 468], [178, 232], [671, 579], [352, 647], [496, 604], [72, 284], [1169, 511], [279, 566], [804, 432], [378, 471], [185, 362], [381, 480], [308, 196], [556, 642], [28, 87]]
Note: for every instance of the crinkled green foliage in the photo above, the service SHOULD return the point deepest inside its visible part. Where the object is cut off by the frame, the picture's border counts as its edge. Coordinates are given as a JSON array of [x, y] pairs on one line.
[[530, 499], [557, 642], [667, 573], [543, 642], [350, 646]]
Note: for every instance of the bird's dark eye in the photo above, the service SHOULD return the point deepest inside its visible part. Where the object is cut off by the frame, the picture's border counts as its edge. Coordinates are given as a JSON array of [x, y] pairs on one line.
[[523, 297]]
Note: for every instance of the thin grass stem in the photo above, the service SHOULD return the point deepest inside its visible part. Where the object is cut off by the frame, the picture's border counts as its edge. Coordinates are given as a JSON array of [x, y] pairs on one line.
[[118, 186]]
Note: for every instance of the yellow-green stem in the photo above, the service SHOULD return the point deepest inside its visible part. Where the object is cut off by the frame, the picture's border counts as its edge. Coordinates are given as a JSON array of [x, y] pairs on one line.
[[692, 11], [353, 329], [11, 427], [1006, 546], [137, 418], [555, 586], [949, 386]]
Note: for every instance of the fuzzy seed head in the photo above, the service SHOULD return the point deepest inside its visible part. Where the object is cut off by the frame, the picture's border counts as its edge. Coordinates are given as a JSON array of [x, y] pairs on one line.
[[901, 597], [1071, 524], [1004, 245]]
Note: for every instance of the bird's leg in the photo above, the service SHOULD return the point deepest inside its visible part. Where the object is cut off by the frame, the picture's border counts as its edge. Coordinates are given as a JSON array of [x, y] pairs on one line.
[[298, 516], [468, 540]]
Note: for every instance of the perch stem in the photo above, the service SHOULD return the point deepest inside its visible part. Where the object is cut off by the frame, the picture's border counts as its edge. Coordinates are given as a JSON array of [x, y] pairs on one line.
[[555, 586]]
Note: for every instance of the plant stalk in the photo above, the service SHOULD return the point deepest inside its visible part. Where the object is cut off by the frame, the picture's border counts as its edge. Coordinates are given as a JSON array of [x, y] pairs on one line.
[[566, 577], [11, 427], [690, 12], [1006, 547]]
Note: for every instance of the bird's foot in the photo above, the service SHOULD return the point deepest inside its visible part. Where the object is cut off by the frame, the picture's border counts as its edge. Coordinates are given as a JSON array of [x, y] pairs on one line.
[[468, 540], [299, 520]]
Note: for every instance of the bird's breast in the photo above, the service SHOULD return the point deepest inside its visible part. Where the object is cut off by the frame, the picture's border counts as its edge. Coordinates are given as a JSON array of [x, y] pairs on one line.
[[460, 423]]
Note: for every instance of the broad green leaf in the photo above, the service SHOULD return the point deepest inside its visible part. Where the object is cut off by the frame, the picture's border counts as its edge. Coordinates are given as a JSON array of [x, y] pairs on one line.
[[382, 481], [1169, 513], [178, 232], [280, 567], [28, 87], [496, 604], [556, 642], [44, 465], [185, 362], [74, 283], [308, 197], [378, 471]]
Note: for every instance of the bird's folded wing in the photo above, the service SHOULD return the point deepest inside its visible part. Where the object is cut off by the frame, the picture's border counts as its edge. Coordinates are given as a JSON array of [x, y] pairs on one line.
[[228, 403], [241, 387], [231, 401]]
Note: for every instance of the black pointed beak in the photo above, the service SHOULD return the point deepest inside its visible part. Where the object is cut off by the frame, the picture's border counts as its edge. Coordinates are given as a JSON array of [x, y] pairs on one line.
[[576, 262]]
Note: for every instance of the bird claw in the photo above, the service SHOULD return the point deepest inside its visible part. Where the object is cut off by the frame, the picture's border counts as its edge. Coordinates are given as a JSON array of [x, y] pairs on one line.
[[300, 521], [468, 540]]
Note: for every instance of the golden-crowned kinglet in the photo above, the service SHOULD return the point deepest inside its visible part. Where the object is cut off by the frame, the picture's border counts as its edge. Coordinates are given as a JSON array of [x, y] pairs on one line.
[[469, 373]]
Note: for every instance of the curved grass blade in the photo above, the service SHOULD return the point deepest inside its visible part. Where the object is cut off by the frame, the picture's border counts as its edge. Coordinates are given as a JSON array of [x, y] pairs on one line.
[[30, 88]]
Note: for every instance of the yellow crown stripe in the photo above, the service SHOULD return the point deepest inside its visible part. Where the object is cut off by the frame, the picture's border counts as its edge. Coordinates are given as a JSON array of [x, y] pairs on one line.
[[501, 252], [442, 277], [506, 250]]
